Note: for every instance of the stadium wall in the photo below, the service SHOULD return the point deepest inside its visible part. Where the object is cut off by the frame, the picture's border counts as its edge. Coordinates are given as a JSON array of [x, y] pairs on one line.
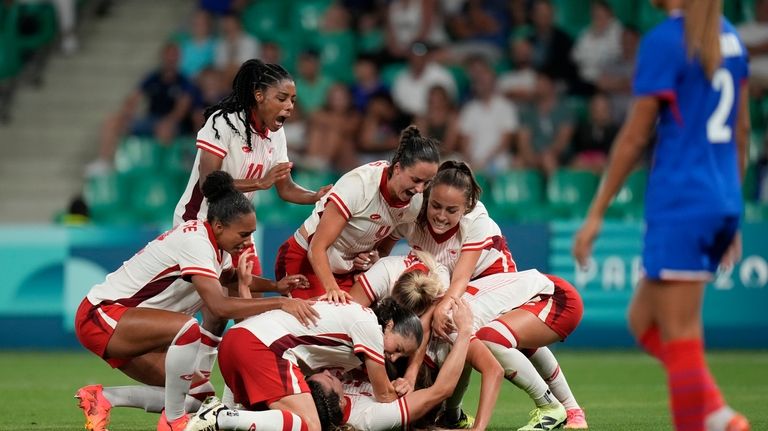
[[47, 271]]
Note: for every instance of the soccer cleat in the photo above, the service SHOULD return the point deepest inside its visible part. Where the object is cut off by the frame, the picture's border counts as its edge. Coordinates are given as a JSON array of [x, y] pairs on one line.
[[95, 407], [205, 418], [576, 420], [178, 424], [545, 418], [464, 421], [738, 423]]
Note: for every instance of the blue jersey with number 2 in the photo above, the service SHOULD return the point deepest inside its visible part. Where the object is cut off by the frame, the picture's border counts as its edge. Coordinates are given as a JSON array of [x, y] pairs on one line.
[[694, 169]]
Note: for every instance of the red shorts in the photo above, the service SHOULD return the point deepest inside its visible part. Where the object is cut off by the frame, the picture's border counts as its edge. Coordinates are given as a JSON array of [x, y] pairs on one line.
[[255, 259], [94, 325], [561, 311], [293, 259], [255, 374]]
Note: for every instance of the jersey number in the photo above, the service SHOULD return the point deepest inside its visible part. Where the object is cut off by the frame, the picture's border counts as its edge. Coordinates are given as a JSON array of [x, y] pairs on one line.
[[718, 131]]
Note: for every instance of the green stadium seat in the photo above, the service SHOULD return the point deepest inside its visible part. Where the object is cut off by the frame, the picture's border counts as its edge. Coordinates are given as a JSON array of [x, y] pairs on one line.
[[569, 192], [270, 208], [153, 196], [628, 202], [572, 15], [649, 16], [389, 73], [10, 58], [518, 195], [625, 11], [337, 54], [42, 26], [750, 186], [305, 16], [104, 196], [135, 152], [264, 18]]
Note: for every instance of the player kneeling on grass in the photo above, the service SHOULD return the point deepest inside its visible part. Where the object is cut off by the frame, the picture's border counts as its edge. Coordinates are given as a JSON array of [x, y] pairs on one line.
[[259, 360], [140, 319]]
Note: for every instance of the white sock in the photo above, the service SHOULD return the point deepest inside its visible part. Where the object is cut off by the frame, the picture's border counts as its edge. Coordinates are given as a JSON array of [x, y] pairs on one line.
[[267, 420], [718, 419], [149, 398], [206, 357], [549, 369], [180, 362], [228, 398]]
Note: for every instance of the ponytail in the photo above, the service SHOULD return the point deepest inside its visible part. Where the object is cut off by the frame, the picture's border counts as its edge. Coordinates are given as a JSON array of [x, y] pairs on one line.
[[414, 148], [702, 33], [225, 202], [416, 290], [404, 322]]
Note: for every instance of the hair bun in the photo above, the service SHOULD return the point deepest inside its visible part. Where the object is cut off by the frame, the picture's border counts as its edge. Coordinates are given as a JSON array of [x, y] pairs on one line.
[[409, 133], [217, 185]]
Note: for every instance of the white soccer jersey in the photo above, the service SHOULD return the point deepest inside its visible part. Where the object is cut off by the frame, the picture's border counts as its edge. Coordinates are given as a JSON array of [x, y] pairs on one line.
[[365, 413], [237, 160], [342, 332], [475, 231], [159, 275], [378, 281], [371, 213]]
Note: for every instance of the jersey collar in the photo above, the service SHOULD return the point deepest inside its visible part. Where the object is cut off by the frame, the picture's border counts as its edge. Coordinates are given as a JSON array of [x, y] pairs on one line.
[[263, 133], [442, 237], [212, 238], [384, 190], [347, 410]]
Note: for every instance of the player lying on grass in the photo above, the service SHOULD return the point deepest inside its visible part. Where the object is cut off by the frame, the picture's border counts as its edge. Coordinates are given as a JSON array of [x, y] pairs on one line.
[[259, 359], [140, 319]]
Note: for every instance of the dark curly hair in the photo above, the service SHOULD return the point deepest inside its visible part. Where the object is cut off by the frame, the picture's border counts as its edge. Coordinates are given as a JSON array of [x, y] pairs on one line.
[[253, 75], [225, 202]]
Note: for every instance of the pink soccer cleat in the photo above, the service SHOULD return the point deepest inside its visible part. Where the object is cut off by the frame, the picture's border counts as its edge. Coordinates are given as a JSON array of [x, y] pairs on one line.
[[738, 423], [576, 420], [176, 425], [95, 407]]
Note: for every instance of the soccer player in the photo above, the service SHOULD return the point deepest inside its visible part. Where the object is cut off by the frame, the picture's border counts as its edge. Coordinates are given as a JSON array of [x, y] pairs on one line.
[[350, 225], [259, 359], [691, 84], [140, 319], [456, 228]]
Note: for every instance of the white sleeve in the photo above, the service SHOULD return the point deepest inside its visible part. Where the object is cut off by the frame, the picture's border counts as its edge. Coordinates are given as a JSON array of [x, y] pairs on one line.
[[512, 121], [207, 140], [444, 274], [348, 194], [367, 338], [377, 282], [479, 233], [195, 254], [281, 148], [367, 414]]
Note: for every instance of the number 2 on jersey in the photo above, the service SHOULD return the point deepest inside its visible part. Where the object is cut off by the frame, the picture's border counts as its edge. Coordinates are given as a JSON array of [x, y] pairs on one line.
[[718, 130]]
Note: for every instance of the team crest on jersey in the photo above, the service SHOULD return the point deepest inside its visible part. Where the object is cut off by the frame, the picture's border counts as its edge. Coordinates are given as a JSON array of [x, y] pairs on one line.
[[270, 150], [453, 252], [375, 216], [246, 149]]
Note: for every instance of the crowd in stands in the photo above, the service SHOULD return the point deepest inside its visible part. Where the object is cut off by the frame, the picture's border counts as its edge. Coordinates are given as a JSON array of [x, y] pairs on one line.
[[506, 85]]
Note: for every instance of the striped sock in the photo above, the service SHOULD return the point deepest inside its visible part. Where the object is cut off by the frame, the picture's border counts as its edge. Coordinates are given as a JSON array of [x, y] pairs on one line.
[[180, 361], [267, 420], [693, 391]]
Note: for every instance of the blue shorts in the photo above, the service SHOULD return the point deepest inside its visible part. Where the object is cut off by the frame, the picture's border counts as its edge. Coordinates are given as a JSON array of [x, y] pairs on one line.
[[688, 249]]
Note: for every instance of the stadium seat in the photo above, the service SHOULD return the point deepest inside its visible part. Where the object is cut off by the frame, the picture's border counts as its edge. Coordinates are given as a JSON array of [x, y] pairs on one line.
[[569, 192], [305, 16], [136, 152], [389, 73], [269, 206], [572, 15], [755, 212], [518, 195], [649, 16], [750, 184], [38, 26], [10, 60], [337, 54], [628, 202], [104, 197], [265, 18], [153, 196], [625, 11]]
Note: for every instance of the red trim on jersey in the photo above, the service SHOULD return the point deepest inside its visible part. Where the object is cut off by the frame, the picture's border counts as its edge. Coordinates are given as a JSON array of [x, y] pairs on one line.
[[149, 290], [430, 363], [472, 290], [481, 245], [367, 351], [404, 417], [347, 410], [196, 270], [333, 197], [255, 122], [392, 201], [670, 98], [289, 341], [193, 206], [207, 146], [212, 238], [418, 266], [442, 237], [366, 287], [166, 272]]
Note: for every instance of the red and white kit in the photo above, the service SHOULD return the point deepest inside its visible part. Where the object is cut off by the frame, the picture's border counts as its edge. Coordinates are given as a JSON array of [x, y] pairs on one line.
[[378, 281], [365, 413], [475, 231], [237, 160], [158, 276]]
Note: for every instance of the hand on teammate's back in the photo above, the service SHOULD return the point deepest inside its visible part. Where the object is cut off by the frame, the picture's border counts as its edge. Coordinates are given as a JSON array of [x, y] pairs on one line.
[[441, 321], [301, 310], [461, 314], [337, 296]]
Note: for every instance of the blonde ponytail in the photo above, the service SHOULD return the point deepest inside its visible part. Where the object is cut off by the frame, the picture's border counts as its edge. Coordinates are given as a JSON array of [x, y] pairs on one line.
[[417, 290], [702, 33]]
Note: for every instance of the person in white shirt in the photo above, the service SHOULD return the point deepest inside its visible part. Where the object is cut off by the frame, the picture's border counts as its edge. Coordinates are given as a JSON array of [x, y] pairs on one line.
[[350, 226], [260, 359], [140, 319], [541, 309], [412, 84]]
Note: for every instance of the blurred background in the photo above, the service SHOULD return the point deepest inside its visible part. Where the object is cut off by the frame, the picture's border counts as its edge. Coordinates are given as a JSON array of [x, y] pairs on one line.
[[97, 148]]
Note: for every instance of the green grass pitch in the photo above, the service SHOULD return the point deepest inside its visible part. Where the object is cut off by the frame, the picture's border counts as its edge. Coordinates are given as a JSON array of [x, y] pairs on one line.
[[619, 390]]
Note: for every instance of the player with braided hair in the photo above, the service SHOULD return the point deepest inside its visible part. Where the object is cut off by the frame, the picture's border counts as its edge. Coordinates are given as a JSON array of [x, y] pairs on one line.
[[350, 226]]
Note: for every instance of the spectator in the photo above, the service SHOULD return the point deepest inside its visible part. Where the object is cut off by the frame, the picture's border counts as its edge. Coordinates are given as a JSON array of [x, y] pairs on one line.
[[488, 122], [593, 136], [411, 85], [409, 21], [233, 46], [311, 85], [755, 37], [367, 82], [440, 122], [519, 84], [197, 47], [546, 128], [332, 131], [551, 45], [211, 86], [380, 130], [616, 78], [599, 44], [168, 96], [481, 28]]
